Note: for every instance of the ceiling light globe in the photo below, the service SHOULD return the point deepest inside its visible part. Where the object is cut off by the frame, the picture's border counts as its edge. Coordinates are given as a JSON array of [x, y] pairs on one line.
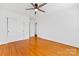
[[36, 9]]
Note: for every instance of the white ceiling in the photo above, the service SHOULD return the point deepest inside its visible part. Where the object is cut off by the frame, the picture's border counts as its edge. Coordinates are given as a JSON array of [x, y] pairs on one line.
[[19, 8]]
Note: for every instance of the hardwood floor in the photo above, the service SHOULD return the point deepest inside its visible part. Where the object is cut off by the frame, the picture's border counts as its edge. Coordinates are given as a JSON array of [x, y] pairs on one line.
[[39, 47]]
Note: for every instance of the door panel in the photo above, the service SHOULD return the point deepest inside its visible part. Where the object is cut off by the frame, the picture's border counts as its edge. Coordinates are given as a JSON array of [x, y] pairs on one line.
[[13, 29], [3, 37]]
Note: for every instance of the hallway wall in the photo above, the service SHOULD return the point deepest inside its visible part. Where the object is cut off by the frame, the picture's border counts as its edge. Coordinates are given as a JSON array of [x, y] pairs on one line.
[[61, 25]]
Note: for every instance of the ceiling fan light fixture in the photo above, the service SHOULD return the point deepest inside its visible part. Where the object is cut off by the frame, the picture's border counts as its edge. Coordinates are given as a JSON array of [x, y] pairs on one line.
[[36, 9]]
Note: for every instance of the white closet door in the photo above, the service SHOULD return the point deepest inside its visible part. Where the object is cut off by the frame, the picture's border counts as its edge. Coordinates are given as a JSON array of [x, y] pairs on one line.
[[31, 24], [12, 29], [20, 29], [3, 30]]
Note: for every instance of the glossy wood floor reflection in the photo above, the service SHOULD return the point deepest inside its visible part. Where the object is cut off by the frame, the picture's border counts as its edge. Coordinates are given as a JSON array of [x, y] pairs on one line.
[[39, 47]]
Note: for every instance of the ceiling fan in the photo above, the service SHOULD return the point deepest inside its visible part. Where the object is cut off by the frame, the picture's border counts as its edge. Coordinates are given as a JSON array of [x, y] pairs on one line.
[[37, 7]]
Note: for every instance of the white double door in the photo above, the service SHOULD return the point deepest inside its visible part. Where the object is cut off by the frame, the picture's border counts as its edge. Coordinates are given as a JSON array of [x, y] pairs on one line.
[[12, 29], [17, 29]]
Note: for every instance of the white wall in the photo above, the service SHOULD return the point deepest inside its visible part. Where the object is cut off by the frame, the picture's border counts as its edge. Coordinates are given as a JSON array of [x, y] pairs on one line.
[[61, 25]]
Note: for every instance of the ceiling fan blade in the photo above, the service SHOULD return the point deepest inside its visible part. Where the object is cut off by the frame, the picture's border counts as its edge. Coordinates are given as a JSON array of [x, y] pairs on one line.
[[32, 4], [30, 9], [42, 5], [41, 10]]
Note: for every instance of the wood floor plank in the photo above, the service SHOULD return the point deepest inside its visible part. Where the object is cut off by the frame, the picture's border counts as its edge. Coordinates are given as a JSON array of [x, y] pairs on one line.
[[39, 47]]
